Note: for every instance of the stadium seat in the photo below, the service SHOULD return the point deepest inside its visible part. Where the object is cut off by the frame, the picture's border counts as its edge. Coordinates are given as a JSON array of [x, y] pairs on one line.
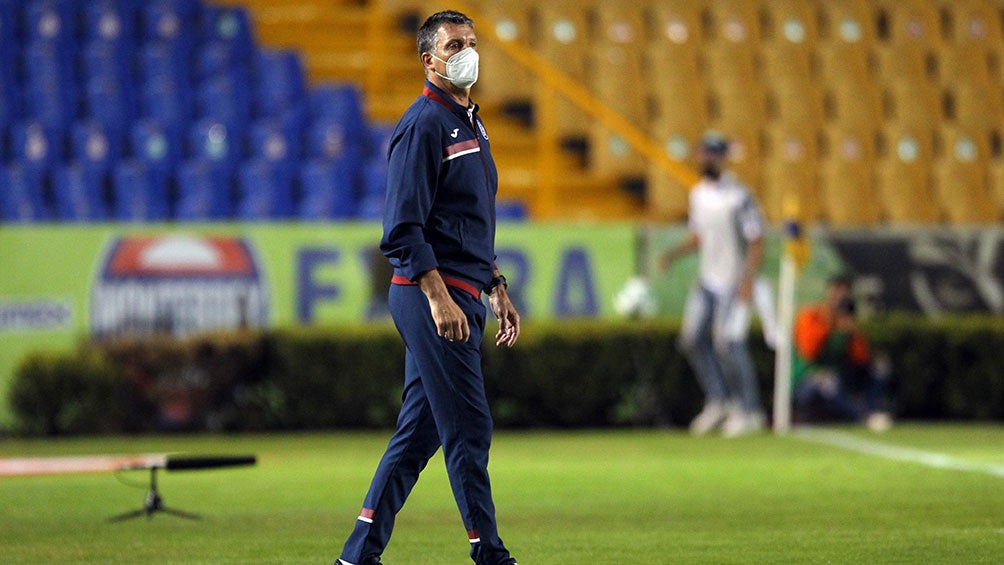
[[904, 175], [35, 146], [793, 21], [371, 204], [964, 62], [214, 141], [678, 93], [79, 193], [977, 105], [997, 185], [850, 22], [170, 21], [108, 102], [166, 100], [677, 23], [95, 146], [279, 81], [163, 61], [140, 195], [563, 39], [914, 22], [745, 154], [328, 190], [215, 58], [841, 62], [156, 145], [338, 102], [204, 192], [914, 101], [504, 81], [379, 138], [270, 141], [790, 172], [856, 105], [797, 101], [264, 191], [331, 140], [110, 21], [736, 21], [50, 21], [666, 199], [21, 199], [225, 99], [962, 180], [734, 62], [229, 24], [975, 21], [847, 178]]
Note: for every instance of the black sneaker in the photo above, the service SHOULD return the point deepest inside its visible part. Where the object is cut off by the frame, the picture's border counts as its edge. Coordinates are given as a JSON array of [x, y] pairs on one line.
[[371, 560]]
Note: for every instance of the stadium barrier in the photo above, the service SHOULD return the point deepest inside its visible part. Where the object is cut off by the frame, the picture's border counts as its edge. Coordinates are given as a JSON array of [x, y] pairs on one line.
[[575, 374]]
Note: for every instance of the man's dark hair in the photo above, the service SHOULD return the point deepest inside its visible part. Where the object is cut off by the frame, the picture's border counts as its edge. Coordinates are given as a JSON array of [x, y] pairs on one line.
[[427, 33]]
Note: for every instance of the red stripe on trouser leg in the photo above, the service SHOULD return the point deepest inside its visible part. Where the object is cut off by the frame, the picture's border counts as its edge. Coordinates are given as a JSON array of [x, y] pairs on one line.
[[366, 515], [473, 536]]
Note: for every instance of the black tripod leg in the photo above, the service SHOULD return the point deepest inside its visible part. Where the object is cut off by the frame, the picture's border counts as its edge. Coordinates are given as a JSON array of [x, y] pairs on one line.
[[180, 513], [128, 516]]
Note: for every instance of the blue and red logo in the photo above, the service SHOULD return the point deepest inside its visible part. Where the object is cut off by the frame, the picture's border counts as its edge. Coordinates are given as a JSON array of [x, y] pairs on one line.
[[177, 284]]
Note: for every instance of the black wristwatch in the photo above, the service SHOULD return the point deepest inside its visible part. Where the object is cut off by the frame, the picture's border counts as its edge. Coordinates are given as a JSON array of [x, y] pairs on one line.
[[494, 283]]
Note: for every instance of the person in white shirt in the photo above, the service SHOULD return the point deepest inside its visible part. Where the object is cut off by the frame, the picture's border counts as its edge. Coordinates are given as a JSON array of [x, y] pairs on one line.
[[727, 230]]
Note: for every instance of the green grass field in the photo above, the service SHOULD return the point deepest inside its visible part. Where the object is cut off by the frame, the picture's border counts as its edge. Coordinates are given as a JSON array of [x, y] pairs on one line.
[[918, 494]]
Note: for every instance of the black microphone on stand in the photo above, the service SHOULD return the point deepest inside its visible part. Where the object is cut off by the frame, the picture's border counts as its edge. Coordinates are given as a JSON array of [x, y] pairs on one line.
[[154, 503]]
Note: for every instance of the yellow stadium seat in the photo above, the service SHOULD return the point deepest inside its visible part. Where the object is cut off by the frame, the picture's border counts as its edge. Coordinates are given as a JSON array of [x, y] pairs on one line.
[[856, 105], [677, 22], [504, 80], [731, 61], [666, 198], [847, 178], [736, 21], [785, 61], [904, 175], [792, 21], [977, 105], [849, 21], [738, 105], [964, 62], [617, 82], [797, 102], [790, 171], [914, 101], [841, 62], [908, 60], [745, 153], [676, 90], [562, 38], [912, 21], [975, 21], [962, 178]]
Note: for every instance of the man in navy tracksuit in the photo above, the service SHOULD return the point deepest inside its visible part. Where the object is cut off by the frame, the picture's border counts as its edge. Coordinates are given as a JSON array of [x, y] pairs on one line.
[[439, 234]]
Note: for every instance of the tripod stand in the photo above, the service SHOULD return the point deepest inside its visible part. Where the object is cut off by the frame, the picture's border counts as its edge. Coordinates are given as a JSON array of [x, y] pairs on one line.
[[153, 504]]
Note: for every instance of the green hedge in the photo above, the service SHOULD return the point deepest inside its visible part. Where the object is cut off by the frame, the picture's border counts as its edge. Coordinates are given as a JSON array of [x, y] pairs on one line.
[[572, 374]]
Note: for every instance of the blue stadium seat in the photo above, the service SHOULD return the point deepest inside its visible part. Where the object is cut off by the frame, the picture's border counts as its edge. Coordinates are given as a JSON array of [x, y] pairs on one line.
[[374, 180], [95, 145], [272, 140], [224, 98], [162, 61], [108, 102], [171, 21], [156, 145], [338, 102], [50, 20], [35, 146], [167, 100], [513, 210], [139, 193], [110, 21], [378, 141], [229, 24], [328, 190], [217, 58], [9, 40], [214, 141], [279, 80], [21, 198], [265, 191], [107, 60], [10, 108], [203, 192], [79, 193], [332, 140]]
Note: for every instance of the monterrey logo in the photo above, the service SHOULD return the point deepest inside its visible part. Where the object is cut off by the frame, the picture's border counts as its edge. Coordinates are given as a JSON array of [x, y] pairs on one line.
[[177, 284]]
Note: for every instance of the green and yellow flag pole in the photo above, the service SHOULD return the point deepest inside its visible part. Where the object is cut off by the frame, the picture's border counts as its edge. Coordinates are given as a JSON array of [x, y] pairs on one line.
[[794, 256]]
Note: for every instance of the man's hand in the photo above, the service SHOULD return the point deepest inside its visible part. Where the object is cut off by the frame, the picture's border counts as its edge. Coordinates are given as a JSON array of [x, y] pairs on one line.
[[507, 315], [450, 320]]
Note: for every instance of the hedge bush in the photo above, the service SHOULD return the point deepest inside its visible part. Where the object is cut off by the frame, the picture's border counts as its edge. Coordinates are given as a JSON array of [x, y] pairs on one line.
[[572, 374]]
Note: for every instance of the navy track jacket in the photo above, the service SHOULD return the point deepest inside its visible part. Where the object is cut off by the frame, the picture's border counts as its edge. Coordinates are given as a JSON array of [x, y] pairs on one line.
[[441, 186]]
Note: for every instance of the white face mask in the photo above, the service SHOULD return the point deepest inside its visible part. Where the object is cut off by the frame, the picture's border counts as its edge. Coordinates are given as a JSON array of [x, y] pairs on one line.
[[462, 68]]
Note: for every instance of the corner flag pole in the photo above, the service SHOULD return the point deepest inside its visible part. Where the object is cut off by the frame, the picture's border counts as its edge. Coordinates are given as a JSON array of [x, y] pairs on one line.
[[793, 257]]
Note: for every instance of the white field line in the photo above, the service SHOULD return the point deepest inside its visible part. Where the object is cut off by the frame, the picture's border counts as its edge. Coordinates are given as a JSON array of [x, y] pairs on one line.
[[897, 453]]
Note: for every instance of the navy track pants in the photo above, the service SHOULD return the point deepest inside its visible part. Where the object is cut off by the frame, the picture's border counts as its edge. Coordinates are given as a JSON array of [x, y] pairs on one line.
[[444, 405]]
